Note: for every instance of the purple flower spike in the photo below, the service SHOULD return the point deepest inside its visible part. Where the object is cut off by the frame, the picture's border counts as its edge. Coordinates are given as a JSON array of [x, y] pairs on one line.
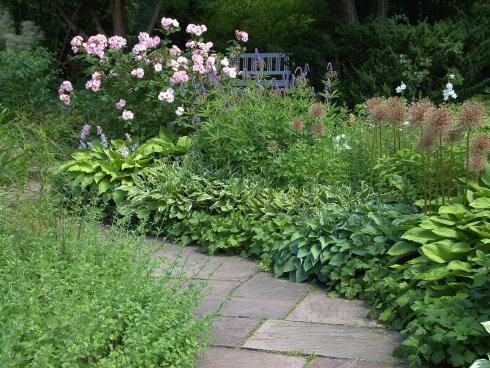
[[329, 67], [201, 86], [305, 70], [257, 56]]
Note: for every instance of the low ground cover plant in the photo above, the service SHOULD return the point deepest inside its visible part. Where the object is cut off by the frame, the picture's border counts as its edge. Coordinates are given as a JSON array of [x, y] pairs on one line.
[[73, 294]]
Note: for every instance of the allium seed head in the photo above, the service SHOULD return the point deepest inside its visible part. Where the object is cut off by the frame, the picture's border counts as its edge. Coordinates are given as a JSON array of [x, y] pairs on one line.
[[318, 129], [418, 110], [396, 110], [376, 109], [440, 119], [297, 124], [480, 145], [317, 110], [476, 163], [472, 114], [454, 136]]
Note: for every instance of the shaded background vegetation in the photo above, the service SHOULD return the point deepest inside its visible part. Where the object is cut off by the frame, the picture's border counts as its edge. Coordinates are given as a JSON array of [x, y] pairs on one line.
[[372, 44]]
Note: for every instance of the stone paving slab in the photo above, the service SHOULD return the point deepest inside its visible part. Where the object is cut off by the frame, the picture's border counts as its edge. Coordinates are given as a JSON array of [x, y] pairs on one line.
[[257, 308], [216, 293], [322, 362], [230, 332], [195, 264], [320, 308], [325, 340], [264, 285], [231, 358]]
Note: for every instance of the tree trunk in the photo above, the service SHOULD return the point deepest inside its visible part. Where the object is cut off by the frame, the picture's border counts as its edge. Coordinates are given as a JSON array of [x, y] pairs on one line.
[[154, 18], [348, 11], [117, 17], [75, 29], [95, 18], [379, 8]]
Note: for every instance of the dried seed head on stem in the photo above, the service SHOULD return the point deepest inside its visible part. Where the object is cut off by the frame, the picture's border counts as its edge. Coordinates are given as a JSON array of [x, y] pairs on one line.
[[376, 109], [418, 110], [472, 114], [440, 120], [396, 110]]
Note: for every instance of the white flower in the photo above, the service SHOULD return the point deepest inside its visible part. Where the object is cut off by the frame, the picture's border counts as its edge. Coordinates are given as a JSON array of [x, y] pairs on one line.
[[452, 76], [158, 67], [402, 87], [127, 115], [179, 111], [449, 92], [347, 146], [229, 72], [124, 151], [407, 123], [225, 62], [167, 96]]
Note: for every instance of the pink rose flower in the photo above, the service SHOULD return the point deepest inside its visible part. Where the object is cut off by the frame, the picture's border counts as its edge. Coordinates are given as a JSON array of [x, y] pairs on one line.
[[196, 30], [167, 96], [96, 45], [174, 51], [229, 72], [120, 104], [138, 73], [127, 115], [76, 42], [66, 86], [169, 22], [241, 36], [225, 62], [65, 99], [158, 67], [116, 42], [179, 111], [179, 77]]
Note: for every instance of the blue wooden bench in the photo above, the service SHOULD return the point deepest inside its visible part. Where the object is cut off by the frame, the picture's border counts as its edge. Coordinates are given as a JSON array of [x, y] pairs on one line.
[[273, 66]]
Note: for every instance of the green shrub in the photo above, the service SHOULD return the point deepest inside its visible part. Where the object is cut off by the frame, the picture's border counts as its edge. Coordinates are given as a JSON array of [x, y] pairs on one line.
[[73, 294], [27, 79]]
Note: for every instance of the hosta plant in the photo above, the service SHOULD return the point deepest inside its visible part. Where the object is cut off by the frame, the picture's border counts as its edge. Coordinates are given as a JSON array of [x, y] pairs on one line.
[[102, 167]]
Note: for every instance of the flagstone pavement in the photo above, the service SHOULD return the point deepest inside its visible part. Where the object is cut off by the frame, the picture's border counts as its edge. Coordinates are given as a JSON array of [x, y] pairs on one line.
[[265, 322]]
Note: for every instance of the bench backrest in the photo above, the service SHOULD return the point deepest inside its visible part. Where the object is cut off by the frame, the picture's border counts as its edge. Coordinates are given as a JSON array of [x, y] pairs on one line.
[[271, 64]]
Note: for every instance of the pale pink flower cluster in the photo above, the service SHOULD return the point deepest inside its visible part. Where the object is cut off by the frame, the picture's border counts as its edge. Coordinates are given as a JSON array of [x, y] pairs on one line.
[[138, 73], [65, 99], [179, 111], [94, 83], [127, 115], [190, 44], [169, 22], [196, 29], [120, 104], [96, 45], [179, 77], [167, 96], [145, 43], [241, 36], [76, 43], [229, 72], [175, 51], [116, 42], [205, 47], [66, 86]]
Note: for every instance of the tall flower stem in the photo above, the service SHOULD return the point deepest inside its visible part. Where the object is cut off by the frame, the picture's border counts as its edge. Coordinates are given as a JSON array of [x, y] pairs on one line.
[[429, 183], [467, 169], [450, 172], [426, 189], [380, 147], [441, 163]]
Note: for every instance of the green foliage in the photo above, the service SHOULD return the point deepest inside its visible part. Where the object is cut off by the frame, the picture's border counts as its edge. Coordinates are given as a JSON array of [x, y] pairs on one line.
[[30, 33], [27, 79], [253, 132], [104, 169], [73, 294], [25, 150]]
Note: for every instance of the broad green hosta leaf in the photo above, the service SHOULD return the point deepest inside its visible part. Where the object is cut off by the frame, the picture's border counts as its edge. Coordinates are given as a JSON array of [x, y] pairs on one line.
[[455, 209], [420, 235], [459, 266], [481, 203], [486, 325], [402, 248]]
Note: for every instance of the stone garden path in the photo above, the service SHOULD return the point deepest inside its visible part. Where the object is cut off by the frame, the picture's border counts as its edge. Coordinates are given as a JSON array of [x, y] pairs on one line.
[[265, 322]]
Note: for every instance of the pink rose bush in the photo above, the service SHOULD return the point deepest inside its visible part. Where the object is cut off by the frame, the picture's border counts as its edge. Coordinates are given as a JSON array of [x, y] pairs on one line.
[[136, 79]]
